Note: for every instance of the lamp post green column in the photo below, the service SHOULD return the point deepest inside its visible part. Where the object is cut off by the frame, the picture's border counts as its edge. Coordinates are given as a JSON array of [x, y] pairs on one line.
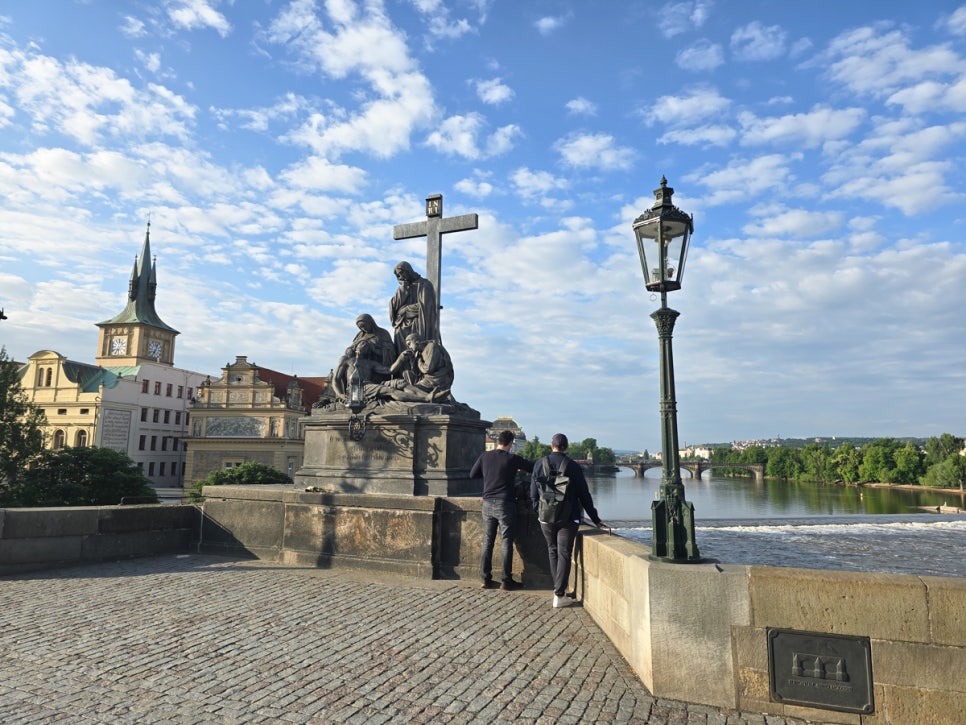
[[663, 233]]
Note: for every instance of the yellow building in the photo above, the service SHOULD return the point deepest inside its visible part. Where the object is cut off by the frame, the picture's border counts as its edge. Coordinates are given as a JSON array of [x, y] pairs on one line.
[[251, 414]]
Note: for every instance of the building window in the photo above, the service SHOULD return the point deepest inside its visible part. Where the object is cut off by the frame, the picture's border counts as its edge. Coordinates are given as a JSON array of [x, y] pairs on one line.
[[157, 415], [167, 390], [50, 373], [144, 385], [141, 466], [189, 393], [151, 468], [62, 411], [85, 411], [58, 440], [164, 443], [157, 388], [144, 415], [141, 441], [177, 417], [154, 443], [161, 470], [232, 462], [167, 416], [81, 440], [181, 391]]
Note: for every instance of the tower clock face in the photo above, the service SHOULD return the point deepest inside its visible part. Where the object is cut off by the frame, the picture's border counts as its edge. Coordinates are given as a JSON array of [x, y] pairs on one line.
[[154, 350], [118, 345]]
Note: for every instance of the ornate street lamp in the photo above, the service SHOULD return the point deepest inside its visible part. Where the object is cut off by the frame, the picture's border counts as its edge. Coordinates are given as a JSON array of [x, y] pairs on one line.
[[663, 233]]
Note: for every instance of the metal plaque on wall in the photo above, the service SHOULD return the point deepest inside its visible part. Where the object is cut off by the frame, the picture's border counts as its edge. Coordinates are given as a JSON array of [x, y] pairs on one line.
[[827, 671]]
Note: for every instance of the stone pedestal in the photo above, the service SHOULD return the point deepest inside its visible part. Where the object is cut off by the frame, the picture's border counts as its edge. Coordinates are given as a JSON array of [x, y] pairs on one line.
[[417, 450]]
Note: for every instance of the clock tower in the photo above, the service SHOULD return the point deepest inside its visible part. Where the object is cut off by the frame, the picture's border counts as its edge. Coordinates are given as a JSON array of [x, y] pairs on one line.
[[137, 335]]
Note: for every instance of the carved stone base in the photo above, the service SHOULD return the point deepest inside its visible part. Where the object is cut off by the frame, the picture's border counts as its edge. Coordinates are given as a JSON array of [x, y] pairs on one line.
[[420, 450]]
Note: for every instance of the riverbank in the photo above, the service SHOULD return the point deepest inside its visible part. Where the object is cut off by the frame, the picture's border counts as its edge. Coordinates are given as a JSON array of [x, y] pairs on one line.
[[910, 487]]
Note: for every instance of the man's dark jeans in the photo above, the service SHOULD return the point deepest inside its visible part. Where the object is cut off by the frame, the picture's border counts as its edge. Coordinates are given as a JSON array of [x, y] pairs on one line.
[[502, 514], [560, 546]]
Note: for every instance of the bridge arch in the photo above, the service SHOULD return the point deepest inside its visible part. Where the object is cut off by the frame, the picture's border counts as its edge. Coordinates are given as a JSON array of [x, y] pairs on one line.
[[696, 468]]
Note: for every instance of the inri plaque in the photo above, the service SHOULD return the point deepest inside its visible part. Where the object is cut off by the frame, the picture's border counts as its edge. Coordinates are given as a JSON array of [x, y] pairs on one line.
[[827, 671]]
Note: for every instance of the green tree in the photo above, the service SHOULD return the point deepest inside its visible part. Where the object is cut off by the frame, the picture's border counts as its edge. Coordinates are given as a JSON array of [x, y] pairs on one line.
[[939, 449], [909, 464], [534, 450], [245, 474], [82, 477], [950, 473], [783, 463], [753, 454], [878, 462], [845, 463], [814, 459], [604, 456], [21, 426]]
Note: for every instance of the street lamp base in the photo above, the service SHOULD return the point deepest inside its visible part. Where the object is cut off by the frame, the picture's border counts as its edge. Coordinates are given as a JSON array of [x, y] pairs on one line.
[[672, 531]]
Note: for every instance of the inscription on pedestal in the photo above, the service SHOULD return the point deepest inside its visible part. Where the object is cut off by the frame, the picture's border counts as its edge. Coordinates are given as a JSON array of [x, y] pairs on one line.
[[828, 671]]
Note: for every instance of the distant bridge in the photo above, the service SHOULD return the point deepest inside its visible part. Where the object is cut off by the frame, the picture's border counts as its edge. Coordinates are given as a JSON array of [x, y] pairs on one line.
[[695, 467]]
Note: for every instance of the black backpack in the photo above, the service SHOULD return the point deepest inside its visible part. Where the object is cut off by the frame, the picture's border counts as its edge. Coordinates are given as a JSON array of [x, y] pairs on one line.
[[553, 506]]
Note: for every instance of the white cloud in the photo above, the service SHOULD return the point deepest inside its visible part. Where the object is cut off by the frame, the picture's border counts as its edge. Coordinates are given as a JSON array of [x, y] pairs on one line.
[[151, 61], [686, 108], [502, 140], [594, 151], [536, 183], [800, 223], [956, 22], [873, 61], [931, 96], [701, 56], [710, 135], [90, 103], [195, 14], [813, 128], [746, 180], [317, 173], [132, 27], [436, 16], [458, 135], [549, 24], [369, 46], [477, 187], [580, 106], [755, 42], [463, 135], [494, 91], [681, 17]]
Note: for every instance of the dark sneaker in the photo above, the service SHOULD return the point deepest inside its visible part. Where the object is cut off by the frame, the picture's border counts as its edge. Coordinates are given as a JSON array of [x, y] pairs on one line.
[[488, 584], [510, 585]]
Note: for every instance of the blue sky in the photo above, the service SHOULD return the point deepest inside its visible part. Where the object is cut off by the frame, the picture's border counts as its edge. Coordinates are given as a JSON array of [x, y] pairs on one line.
[[274, 144]]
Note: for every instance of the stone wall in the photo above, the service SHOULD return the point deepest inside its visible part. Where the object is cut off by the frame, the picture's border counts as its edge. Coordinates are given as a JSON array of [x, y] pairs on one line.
[[38, 538], [419, 536], [697, 632]]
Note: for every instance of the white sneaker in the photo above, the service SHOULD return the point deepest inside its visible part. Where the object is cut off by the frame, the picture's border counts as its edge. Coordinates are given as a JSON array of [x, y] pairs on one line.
[[560, 601]]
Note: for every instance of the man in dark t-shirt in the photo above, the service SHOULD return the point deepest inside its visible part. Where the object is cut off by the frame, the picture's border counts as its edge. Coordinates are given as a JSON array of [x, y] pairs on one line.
[[498, 468]]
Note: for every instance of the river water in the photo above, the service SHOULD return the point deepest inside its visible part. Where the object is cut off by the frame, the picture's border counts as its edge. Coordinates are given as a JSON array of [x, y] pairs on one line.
[[778, 523]]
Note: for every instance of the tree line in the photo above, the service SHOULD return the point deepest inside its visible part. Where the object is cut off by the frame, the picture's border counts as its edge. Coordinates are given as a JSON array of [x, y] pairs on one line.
[[938, 463], [534, 450]]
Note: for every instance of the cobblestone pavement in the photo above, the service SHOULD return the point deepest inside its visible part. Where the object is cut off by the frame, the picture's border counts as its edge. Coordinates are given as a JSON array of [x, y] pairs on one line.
[[199, 639]]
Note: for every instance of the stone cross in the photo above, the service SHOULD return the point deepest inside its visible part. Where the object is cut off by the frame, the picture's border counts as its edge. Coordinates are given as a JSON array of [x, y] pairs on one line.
[[433, 229]]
